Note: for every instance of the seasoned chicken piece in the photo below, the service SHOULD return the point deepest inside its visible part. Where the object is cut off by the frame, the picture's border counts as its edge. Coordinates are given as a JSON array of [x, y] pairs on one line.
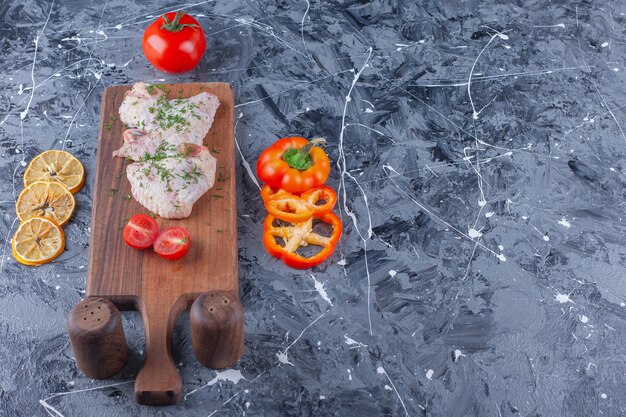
[[170, 185], [135, 109], [156, 118], [138, 144], [172, 169]]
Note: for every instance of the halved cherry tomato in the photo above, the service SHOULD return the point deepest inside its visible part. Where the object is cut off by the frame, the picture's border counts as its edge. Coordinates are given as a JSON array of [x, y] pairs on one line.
[[172, 243], [141, 231]]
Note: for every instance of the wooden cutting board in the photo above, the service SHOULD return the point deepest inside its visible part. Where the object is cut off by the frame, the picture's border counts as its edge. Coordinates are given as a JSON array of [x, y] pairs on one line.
[[142, 280]]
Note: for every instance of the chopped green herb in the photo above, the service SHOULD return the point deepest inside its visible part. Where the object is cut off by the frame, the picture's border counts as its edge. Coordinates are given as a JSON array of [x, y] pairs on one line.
[[191, 176], [215, 151], [152, 215], [112, 117], [219, 231], [112, 192], [168, 116], [152, 88], [163, 172], [127, 197], [161, 152], [221, 177], [217, 196], [124, 221], [108, 126]]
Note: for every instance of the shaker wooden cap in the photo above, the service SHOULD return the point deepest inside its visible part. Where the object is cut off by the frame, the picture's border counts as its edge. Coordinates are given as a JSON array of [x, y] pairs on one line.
[[92, 314]]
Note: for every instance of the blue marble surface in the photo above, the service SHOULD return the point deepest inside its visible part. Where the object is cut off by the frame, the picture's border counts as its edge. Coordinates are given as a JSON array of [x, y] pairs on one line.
[[479, 153]]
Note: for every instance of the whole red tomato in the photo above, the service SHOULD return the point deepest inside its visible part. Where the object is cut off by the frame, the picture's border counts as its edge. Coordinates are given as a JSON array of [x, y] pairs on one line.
[[174, 43]]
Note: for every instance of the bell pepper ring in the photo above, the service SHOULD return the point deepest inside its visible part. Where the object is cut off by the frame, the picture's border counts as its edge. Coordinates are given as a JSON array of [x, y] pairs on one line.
[[268, 193], [290, 208], [294, 164], [301, 234], [317, 194]]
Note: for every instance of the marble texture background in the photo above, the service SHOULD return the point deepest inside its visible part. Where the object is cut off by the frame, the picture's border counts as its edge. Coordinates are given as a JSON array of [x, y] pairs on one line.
[[479, 152]]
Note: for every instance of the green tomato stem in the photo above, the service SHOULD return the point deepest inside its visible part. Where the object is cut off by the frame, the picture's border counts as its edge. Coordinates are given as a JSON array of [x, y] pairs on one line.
[[175, 25]]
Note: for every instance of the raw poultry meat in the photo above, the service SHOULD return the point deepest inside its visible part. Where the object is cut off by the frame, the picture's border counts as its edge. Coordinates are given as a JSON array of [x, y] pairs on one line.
[[172, 169], [169, 182], [154, 118], [138, 143]]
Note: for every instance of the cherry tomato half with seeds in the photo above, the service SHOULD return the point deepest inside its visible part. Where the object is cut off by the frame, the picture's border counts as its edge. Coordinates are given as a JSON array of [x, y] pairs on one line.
[[172, 243], [174, 43], [140, 231]]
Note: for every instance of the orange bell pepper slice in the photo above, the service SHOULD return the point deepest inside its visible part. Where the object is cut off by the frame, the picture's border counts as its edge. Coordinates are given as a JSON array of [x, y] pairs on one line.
[[267, 193], [319, 193], [301, 234], [289, 208]]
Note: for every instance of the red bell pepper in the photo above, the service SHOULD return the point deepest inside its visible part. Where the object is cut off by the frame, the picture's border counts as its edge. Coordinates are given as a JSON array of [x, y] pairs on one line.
[[301, 234], [294, 164]]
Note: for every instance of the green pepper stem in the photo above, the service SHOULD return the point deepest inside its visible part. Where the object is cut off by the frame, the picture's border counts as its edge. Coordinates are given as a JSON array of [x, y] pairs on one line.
[[300, 159], [313, 142], [175, 25]]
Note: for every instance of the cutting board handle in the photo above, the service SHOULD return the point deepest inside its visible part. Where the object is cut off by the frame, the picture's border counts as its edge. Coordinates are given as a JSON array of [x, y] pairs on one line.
[[158, 381]]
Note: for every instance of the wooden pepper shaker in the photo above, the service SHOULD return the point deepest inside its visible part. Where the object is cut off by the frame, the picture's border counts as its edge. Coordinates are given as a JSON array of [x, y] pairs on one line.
[[95, 329], [217, 329]]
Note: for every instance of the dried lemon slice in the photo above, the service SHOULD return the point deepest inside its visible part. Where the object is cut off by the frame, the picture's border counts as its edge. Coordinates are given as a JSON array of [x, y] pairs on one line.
[[37, 241], [56, 166], [46, 199]]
